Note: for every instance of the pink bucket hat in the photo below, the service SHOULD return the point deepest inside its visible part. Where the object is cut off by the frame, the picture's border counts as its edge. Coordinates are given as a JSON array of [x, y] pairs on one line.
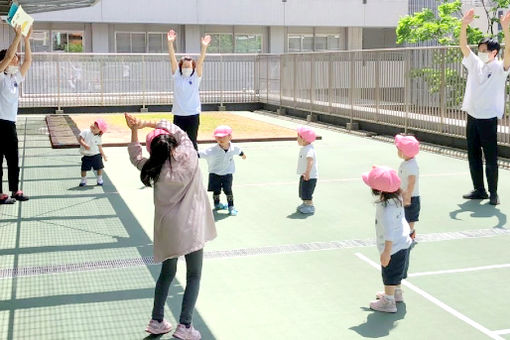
[[153, 134], [408, 145], [222, 131], [307, 133], [101, 124], [382, 178]]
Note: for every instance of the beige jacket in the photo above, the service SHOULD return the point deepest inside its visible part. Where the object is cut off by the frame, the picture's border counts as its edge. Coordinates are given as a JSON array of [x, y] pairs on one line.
[[183, 219]]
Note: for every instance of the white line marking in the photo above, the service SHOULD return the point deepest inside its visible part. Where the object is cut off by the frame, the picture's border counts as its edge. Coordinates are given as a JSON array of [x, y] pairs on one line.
[[461, 270], [437, 302], [502, 331]]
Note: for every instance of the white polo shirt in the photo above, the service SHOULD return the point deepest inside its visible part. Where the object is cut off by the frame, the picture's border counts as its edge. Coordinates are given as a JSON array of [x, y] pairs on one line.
[[186, 94], [9, 95], [92, 140], [220, 161], [391, 225], [406, 169], [485, 88], [307, 151]]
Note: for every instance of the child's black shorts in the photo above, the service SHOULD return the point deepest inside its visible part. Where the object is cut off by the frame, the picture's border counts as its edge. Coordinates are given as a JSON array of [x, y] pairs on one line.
[[392, 274], [412, 212], [306, 188], [217, 182], [92, 162]]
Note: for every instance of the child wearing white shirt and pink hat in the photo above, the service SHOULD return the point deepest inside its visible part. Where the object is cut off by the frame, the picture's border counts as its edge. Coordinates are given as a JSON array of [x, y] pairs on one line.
[[307, 168], [220, 159]]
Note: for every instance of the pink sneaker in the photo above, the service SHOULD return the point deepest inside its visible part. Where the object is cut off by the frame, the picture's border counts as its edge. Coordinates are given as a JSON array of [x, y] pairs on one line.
[[384, 305], [398, 295], [184, 333], [156, 327]]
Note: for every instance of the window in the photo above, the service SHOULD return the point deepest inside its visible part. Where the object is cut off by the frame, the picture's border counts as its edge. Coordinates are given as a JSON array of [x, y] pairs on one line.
[[156, 42], [321, 42], [307, 42], [294, 43], [248, 43], [39, 41], [300, 42], [333, 42], [130, 42], [67, 41], [221, 43]]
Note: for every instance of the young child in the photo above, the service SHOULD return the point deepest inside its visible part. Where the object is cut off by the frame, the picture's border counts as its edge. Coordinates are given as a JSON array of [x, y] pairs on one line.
[[220, 159], [92, 151], [307, 168], [408, 171], [183, 220], [392, 235]]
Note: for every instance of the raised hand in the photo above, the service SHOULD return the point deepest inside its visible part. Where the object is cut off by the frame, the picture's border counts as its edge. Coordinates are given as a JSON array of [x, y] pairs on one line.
[[206, 40], [17, 29], [29, 33], [171, 35], [469, 17], [132, 122], [505, 20]]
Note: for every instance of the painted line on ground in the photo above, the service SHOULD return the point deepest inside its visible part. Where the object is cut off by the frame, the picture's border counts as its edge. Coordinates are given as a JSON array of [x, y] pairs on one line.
[[502, 331], [461, 270], [437, 302]]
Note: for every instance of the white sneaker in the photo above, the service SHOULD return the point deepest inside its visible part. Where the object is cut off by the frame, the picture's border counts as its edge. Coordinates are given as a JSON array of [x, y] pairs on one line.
[[83, 182], [184, 333], [399, 297], [156, 327], [384, 305]]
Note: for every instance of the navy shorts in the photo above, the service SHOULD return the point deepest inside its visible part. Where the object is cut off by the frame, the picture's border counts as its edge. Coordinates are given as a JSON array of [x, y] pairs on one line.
[[92, 162], [393, 274], [306, 188], [218, 182], [412, 212]]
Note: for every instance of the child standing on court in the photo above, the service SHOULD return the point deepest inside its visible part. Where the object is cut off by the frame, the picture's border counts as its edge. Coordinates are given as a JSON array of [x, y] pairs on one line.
[[220, 159], [392, 235], [408, 171], [307, 168], [92, 150]]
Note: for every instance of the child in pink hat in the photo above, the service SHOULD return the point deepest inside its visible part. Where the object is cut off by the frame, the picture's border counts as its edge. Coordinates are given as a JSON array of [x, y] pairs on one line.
[[408, 171], [307, 168], [220, 159], [92, 150], [392, 235]]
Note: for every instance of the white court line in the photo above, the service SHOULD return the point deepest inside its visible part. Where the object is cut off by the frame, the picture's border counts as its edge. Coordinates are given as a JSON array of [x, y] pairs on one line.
[[461, 270], [335, 180], [502, 331], [437, 302]]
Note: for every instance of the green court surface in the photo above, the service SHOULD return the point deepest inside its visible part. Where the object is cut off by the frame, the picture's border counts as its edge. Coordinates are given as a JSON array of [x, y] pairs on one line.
[[75, 263]]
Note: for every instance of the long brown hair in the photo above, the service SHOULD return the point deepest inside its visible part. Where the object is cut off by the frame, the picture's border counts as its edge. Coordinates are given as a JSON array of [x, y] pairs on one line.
[[383, 197]]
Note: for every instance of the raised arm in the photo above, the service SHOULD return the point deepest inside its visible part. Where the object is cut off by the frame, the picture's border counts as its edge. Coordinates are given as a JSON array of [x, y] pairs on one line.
[[200, 63], [466, 20], [11, 51], [171, 36], [505, 24], [27, 62]]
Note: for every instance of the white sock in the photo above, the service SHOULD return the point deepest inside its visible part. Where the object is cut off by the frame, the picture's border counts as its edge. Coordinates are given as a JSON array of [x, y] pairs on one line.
[[100, 178], [84, 179], [389, 297]]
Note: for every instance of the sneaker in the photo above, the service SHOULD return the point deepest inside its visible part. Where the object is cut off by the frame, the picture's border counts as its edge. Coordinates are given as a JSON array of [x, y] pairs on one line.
[[5, 199], [156, 327], [220, 206], [476, 195], [184, 333], [384, 305], [494, 200], [83, 182], [399, 297], [300, 206], [20, 196], [307, 209], [99, 182], [232, 211]]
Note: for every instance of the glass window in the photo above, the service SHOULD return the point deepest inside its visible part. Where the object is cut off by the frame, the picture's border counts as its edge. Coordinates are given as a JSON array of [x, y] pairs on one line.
[[138, 43], [40, 41], [123, 42], [307, 43], [130, 42], [221, 43], [294, 43], [248, 43], [333, 42], [321, 42], [67, 41], [156, 44]]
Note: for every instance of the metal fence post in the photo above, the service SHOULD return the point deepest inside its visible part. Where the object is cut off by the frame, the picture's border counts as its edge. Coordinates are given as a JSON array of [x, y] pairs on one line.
[[377, 86], [442, 91], [407, 87], [351, 88], [222, 69], [330, 83], [144, 82], [59, 104], [312, 83], [295, 80]]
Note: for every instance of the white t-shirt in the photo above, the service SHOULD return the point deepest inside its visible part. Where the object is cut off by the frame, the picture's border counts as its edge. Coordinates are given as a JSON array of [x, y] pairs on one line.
[[92, 140], [485, 88], [9, 94], [186, 94], [220, 161], [391, 225], [406, 169], [307, 151]]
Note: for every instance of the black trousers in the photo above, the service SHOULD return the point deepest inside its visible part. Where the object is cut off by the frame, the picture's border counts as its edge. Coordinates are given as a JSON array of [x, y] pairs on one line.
[[9, 150], [189, 124], [482, 134]]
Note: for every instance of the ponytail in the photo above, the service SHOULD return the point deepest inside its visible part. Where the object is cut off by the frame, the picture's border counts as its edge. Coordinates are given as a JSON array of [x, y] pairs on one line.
[[161, 149]]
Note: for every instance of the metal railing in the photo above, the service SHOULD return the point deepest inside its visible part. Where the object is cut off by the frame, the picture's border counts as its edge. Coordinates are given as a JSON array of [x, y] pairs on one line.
[[410, 88]]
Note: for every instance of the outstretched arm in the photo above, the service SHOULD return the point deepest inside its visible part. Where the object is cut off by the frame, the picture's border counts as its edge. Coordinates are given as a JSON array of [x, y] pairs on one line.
[[466, 20], [200, 63], [505, 24], [11, 50], [171, 36], [27, 62]]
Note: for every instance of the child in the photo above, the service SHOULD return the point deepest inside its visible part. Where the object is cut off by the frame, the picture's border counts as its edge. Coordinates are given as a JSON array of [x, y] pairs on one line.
[[392, 233], [307, 168], [183, 219], [408, 171], [92, 151], [220, 159]]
